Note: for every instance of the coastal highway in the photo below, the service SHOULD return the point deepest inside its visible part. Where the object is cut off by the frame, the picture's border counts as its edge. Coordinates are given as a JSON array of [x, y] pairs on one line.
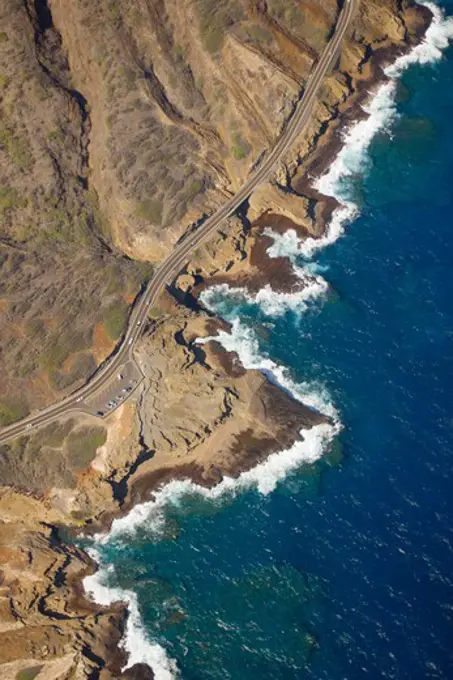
[[76, 403]]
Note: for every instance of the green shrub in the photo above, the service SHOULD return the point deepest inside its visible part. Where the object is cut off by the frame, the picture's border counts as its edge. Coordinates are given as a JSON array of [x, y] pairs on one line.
[[193, 189], [55, 354], [115, 318], [259, 33], [213, 39], [82, 366], [82, 445], [25, 463], [10, 198], [54, 435], [17, 147], [240, 148], [137, 275], [28, 673], [150, 210], [214, 19], [179, 52], [291, 16], [60, 347], [12, 410]]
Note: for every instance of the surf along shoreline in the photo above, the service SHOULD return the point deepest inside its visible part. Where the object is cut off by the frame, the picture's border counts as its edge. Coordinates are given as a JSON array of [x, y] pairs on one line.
[[280, 271]]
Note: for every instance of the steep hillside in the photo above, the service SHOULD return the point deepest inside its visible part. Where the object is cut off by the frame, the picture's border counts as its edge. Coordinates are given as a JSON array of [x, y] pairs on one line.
[[60, 274], [184, 98], [123, 123]]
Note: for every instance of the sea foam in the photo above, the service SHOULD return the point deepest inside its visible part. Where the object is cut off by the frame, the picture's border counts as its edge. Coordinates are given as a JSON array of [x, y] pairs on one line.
[[272, 303], [244, 342], [430, 50], [353, 159], [264, 476], [135, 640], [150, 516]]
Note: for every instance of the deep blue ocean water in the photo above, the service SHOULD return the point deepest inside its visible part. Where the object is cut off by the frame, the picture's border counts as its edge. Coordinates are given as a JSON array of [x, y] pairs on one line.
[[345, 570]]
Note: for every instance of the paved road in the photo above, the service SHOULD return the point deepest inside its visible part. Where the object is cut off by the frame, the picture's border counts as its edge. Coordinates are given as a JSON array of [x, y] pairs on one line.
[[166, 271]]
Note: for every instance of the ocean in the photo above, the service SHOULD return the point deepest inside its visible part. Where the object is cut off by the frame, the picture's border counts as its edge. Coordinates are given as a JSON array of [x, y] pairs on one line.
[[332, 560]]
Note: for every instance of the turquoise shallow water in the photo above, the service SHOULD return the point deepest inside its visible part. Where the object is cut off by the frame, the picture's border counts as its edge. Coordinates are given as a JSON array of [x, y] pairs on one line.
[[344, 570]]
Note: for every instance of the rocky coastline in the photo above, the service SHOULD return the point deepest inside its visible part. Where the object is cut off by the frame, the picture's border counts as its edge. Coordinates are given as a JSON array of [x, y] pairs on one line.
[[313, 217], [200, 414]]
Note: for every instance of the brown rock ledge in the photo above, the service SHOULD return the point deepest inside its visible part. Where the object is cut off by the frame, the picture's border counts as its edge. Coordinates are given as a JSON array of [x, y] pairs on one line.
[[201, 412], [200, 415], [290, 201]]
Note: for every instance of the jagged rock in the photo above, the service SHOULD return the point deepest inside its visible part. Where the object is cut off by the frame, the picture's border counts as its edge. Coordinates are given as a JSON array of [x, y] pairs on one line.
[[138, 671], [186, 282], [200, 408], [44, 621], [173, 129]]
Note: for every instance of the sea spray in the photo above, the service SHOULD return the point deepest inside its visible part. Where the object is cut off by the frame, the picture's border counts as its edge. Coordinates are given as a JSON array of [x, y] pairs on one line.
[[150, 516], [435, 42], [135, 640], [243, 341], [265, 476], [353, 159], [273, 303]]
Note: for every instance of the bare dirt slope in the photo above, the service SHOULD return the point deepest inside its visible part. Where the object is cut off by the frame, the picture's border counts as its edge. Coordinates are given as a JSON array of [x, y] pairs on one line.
[[121, 124], [60, 273]]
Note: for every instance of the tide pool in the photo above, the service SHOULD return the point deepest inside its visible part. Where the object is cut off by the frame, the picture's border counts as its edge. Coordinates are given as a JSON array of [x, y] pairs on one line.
[[333, 561]]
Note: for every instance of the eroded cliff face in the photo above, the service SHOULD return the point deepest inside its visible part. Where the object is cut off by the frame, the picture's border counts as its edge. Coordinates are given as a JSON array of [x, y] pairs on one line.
[[202, 414], [122, 125], [149, 114], [46, 629], [199, 414], [186, 97]]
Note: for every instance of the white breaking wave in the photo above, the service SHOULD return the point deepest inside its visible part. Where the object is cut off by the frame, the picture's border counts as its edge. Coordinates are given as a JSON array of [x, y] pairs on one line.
[[135, 640], [430, 50], [353, 159], [150, 516], [271, 302], [243, 341], [264, 477]]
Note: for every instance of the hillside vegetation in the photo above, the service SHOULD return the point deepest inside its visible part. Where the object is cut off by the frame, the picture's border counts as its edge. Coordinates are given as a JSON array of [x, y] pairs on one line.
[[122, 123]]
